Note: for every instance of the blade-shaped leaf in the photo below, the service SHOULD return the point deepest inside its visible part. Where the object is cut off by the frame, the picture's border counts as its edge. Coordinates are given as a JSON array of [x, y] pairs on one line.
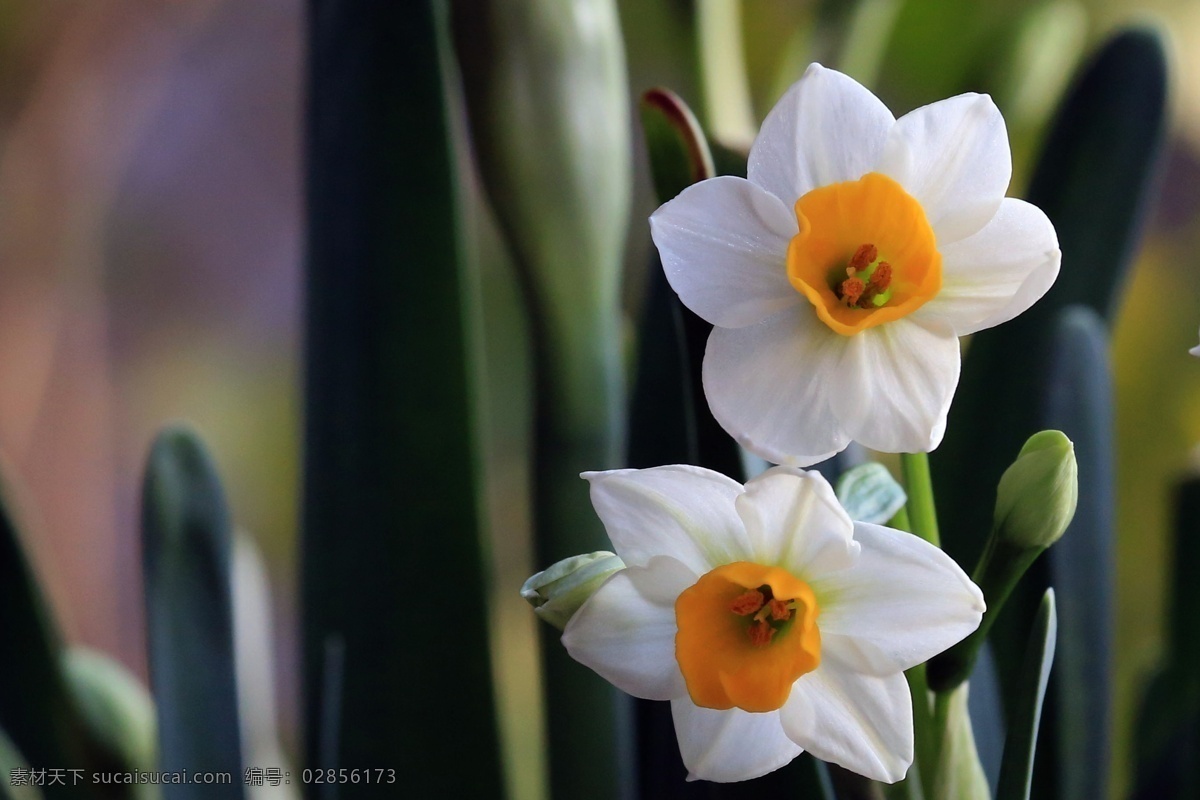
[[1078, 402], [1168, 726], [37, 707], [1016, 768], [186, 560], [396, 661]]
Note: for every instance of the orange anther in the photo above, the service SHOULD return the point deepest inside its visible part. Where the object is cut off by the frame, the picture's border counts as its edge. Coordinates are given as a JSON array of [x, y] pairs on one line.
[[780, 610], [747, 603], [851, 290], [881, 278], [760, 634], [863, 256]]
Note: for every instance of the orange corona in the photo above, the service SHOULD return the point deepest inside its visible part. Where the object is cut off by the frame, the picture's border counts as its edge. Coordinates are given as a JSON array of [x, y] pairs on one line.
[[865, 253], [746, 632]]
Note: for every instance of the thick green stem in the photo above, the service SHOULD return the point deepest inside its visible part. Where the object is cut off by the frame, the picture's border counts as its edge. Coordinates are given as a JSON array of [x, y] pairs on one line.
[[919, 485], [924, 732]]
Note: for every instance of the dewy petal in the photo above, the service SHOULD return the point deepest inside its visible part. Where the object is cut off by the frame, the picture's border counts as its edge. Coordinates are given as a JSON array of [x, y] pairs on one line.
[[827, 128], [793, 519], [953, 157], [679, 511], [769, 385], [626, 630], [723, 244], [996, 274], [732, 745], [894, 385], [860, 722], [903, 602]]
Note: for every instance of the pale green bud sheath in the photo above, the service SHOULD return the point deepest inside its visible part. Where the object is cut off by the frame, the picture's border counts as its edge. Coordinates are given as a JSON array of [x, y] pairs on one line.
[[557, 592], [1035, 502]]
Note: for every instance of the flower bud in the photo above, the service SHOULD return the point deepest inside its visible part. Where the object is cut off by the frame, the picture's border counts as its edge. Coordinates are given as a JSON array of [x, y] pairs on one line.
[[557, 592], [1035, 500]]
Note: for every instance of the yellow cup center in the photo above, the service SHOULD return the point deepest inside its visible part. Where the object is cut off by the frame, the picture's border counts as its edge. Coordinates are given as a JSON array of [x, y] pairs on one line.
[[865, 253], [746, 632]]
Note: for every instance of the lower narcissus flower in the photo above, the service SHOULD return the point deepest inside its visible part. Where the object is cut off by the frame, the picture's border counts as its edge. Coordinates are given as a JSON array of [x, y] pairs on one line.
[[841, 273], [771, 622]]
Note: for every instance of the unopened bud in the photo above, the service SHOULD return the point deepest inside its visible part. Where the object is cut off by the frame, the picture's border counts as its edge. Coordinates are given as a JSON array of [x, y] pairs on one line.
[[557, 592], [1035, 500]]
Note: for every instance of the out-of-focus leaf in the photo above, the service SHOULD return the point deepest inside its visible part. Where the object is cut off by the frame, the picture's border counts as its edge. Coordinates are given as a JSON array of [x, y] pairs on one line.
[[678, 152], [1167, 736], [1078, 402], [186, 559], [397, 670], [1016, 770], [118, 712], [37, 709], [548, 103], [10, 759]]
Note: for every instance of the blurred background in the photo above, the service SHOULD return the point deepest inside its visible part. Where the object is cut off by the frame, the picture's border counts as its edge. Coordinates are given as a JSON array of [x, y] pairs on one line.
[[151, 249]]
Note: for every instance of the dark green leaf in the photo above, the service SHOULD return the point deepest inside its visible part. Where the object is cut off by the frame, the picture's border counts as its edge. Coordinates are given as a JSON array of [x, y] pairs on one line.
[[1078, 402], [1167, 736], [187, 560], [397, 671], [37, 708], [11, 759]]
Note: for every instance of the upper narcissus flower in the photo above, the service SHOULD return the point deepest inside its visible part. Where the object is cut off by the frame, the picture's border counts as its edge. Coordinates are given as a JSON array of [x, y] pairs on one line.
[[771, 621], [841, 274], [1195, 350]]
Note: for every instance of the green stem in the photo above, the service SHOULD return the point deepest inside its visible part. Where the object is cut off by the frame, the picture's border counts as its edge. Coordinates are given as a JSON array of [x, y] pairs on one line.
[[919, 486], [924, 733]]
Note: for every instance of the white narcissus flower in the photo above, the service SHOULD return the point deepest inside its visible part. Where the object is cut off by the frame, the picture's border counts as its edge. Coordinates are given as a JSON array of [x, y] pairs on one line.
[[772, 622], [840, 275], [1195, 350]]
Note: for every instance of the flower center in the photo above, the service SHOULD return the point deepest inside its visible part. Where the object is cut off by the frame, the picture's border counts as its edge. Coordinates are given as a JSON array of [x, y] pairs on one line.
[[865, 253], [746, 632]]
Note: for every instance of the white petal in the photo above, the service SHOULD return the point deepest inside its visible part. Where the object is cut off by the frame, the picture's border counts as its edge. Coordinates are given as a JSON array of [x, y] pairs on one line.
[[731, 745], [953, 157], [723, 244], [626, 630], [994, 275], [903, 602], [860, 722], [679, 511], [769, 385], [827, 128], [894, 384], [794, 520]]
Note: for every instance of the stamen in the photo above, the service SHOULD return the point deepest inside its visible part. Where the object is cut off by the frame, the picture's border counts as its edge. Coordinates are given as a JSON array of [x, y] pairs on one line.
[[863, 256], [851, 290], [760, 634], [780, 610], [881, 278], [747, 603]]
